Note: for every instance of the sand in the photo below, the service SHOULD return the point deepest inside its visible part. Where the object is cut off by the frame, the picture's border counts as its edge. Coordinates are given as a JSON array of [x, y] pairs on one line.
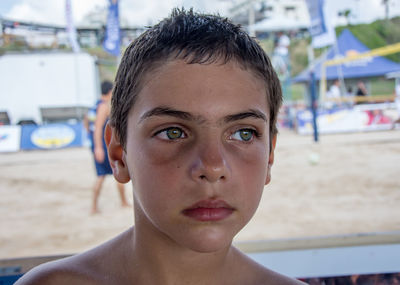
[[345, 184]]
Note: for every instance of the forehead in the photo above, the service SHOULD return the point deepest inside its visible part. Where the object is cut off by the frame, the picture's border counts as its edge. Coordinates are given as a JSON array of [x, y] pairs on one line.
[[219, 87]]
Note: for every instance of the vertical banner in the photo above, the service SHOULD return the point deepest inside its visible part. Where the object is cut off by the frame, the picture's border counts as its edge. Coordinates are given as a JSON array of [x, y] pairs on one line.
[[111, 42], [71, 31], [315, 9], [321, 30]]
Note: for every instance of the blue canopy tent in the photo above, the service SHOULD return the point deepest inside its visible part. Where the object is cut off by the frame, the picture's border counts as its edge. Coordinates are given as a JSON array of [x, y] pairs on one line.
[[348, 44]]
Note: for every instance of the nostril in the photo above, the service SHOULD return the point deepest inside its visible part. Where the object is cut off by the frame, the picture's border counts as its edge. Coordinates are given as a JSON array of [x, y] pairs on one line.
[[202, 177]]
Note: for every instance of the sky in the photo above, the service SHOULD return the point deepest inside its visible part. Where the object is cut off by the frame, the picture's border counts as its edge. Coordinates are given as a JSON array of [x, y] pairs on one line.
[[146, 12]]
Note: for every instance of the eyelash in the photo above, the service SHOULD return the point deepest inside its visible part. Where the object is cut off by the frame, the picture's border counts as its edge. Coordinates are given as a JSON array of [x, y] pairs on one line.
[[182, 134], [252, 131], [166, 137]]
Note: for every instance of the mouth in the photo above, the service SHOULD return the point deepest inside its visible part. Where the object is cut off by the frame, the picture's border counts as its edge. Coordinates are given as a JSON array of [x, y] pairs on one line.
[[209, 211]]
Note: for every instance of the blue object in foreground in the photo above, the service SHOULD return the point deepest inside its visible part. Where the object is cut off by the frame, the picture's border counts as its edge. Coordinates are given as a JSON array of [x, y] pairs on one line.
[[9, 280]]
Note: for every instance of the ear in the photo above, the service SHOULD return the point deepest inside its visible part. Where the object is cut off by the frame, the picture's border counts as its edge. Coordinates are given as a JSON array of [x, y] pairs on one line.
[[270, 159], [116, 155]]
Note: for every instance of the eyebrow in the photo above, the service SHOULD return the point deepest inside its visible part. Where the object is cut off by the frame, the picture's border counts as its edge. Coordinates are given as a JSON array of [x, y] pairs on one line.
[[251, 113], [166, 111]]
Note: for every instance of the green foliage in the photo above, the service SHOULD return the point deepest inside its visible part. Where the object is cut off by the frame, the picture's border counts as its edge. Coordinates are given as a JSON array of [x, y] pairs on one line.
[[267, 45], [298, 91], [298, 55], [12, 47], [377, 34], [374, 35], [381, 86]]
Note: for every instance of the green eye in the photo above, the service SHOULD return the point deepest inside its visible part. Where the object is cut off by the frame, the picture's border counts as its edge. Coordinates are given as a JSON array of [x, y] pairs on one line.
[[171, 134], [174, 133], [244, 135]]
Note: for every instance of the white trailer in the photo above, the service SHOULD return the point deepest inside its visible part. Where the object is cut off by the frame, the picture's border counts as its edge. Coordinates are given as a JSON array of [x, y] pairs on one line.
[[47, 87]]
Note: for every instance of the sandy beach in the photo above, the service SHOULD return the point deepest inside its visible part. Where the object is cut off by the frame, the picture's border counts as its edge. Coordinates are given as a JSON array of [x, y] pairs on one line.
[[346, 183]]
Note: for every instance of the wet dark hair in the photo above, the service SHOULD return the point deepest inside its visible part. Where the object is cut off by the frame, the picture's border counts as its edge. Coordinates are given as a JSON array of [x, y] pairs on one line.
[[106, 86], [194, 38]]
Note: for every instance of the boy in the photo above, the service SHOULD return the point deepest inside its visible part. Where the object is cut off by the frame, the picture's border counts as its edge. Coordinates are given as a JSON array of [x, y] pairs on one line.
[[95, 123], [193, 127]]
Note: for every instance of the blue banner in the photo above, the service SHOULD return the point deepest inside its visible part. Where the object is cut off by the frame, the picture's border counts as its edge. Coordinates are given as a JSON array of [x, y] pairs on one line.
[[321, 29], [51, 136], [315, 9], [111, 42]]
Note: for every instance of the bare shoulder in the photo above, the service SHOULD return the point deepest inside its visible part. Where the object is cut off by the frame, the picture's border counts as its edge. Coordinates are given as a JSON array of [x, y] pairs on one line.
[[63, 271], [103, 108], [267, 276], [255, 273], [99, 265]]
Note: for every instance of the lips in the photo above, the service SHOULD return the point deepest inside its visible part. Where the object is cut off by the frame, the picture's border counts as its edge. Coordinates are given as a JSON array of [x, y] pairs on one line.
[[209, 210]]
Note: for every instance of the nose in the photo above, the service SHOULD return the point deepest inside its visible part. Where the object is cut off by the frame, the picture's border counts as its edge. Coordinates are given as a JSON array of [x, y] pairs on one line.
[[210, 164]]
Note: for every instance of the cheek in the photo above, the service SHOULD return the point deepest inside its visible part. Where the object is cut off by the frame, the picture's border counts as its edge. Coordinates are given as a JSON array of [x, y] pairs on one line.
[[164, 160], [156, 170], [249, 172], [155, 157], [251, 163]]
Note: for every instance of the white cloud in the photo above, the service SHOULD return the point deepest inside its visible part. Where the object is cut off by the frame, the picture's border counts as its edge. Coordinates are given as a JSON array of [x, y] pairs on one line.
[[364, 11], [136, 12], [140, 12], [51, 11], [80, 8], [144, 12], [37, 11]]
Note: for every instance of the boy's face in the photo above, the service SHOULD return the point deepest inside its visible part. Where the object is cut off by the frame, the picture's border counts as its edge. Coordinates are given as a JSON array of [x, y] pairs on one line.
[[197, 152]]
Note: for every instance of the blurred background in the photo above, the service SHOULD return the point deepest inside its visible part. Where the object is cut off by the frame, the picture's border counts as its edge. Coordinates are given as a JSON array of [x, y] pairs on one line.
[[335, 180]]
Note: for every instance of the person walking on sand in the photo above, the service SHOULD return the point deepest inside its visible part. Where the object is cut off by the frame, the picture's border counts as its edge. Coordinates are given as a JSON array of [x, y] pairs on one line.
[[95, 123]]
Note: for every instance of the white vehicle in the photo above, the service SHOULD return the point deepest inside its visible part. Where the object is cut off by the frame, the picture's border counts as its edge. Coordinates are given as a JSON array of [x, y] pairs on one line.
[[47, 87]]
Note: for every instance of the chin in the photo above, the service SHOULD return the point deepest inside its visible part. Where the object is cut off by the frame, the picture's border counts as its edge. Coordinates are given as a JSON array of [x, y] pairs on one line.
[[209, 241]]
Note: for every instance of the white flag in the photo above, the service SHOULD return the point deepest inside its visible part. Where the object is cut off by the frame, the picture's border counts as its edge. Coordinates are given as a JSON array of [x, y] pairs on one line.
[[321, 29], [71, 31]]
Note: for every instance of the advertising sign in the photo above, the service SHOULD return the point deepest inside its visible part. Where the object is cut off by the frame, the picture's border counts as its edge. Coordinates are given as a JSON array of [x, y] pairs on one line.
[[52, 136], [10, 138], [368, 117]]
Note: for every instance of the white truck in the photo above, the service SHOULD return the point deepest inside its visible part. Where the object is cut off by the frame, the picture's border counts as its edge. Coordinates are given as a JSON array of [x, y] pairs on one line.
[[47, 87]]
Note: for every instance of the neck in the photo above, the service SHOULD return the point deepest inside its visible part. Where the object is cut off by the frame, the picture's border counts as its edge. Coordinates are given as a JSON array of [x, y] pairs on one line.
[[105, 98], [160, 260]]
